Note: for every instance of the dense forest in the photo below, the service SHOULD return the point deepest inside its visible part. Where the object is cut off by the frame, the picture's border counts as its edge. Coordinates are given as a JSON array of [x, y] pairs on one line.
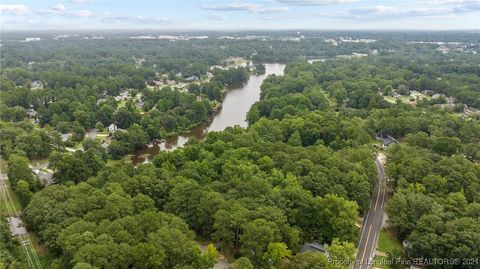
[[303, 170]]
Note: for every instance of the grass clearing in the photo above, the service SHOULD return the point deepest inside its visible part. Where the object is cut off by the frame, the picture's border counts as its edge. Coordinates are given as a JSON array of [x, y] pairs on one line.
[[387, 242], [3, 166], [15, 205], [390, 99]]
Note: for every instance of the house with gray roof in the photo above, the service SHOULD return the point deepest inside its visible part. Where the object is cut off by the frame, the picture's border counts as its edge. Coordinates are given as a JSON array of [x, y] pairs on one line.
[[385, 139], [315, 247]]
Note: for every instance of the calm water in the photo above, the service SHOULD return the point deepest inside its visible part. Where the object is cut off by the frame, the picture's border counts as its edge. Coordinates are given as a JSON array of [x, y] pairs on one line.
[[235, 106]]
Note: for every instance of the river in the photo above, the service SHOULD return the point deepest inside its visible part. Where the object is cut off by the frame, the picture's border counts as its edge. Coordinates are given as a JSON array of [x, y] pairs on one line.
[[234, 110]]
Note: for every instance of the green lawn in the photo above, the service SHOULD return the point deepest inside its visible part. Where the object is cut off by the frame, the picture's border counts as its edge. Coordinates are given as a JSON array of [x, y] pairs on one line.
[[387, 242], [16, 204], [101, 136], [390, 99], [3, 166]]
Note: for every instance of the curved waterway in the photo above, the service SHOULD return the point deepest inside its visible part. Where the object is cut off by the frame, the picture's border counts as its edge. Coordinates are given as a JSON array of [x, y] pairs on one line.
[[234, 110]]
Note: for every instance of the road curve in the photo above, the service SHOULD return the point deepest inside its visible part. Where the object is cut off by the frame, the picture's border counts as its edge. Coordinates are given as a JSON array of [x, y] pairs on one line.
[[372, 223]]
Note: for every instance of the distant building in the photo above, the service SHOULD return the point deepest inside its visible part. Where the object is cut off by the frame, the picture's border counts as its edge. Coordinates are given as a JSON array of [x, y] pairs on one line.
[[35, 85], [386, 140], [112, 128], [32, 113], [191, 79], [3, 177], [315, 247], [44, 175], [31, 39], [123, 95], [66, 136], [470, 110], [415, 94], [101, 100]]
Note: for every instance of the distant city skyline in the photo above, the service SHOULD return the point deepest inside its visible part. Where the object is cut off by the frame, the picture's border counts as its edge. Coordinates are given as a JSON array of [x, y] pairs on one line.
[[241, 15]]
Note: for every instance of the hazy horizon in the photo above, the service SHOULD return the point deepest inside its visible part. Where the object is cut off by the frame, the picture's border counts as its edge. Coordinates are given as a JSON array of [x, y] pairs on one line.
[[271, 15]]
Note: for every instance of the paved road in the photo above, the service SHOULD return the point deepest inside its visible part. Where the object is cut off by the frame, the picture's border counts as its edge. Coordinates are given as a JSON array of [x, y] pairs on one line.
[[372, 223]]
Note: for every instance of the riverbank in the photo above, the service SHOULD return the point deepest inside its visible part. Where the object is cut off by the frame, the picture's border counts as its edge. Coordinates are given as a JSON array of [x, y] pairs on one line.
[[235, 106]]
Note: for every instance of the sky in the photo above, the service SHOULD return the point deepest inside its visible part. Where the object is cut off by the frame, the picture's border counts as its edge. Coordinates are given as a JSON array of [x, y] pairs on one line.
[[240, 15]]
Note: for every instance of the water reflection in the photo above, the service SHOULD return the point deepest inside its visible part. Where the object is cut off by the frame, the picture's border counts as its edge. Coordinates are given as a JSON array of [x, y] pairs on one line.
[[234, 109]]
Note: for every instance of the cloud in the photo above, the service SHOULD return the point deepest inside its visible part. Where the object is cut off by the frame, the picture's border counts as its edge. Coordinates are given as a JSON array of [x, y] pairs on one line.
[[14, 9], [468, 6], [81, 1], [273, 10], [278, 18], [59, 7], [84, 13], [249, 7], [216, 17], [382, 12], [314, 2], [108, 17], [232, 7]]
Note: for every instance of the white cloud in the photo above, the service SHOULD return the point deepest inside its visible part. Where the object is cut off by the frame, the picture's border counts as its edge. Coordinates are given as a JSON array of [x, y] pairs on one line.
[[232, 7], [249, 7], [273, 10], [216, 17], [391, 12], [314, 2], [59, 7], [84, 13], [14, 9], [81, 1], [279, 18], [108, 17]]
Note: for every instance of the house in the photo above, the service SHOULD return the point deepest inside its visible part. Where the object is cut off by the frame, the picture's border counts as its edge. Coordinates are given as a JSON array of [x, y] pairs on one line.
[[191, 79], [123, 95], [470, 110], [35, 85], [386, 140], [66, 136], [315, 247], [112, 128], [32, 113], [415, 94], [45, 175], [3, 177]]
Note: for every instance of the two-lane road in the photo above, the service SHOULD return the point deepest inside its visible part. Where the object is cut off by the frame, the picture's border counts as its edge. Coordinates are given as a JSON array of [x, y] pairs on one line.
[[372, 224]]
